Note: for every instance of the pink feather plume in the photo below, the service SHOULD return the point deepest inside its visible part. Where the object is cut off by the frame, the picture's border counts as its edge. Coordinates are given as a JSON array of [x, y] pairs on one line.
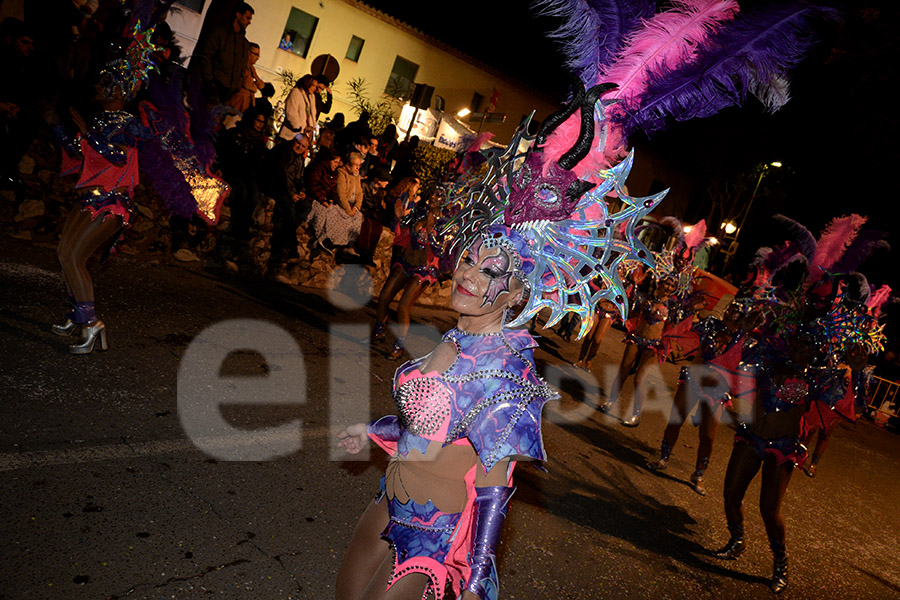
[[696, 235], [666, 41], [833, 242], [878, 298]]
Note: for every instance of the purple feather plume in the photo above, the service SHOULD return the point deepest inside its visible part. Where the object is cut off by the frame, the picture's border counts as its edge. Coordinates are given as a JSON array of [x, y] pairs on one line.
[[860, 249], [798, 235], [593, 31], [750, 54], [166, 179]]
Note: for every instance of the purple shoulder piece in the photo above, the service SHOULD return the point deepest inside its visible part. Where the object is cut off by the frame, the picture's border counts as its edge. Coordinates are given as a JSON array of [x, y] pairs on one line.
[[498, 396]]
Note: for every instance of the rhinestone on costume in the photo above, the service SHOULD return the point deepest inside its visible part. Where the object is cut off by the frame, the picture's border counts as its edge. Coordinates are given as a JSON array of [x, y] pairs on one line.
[[424, 405]]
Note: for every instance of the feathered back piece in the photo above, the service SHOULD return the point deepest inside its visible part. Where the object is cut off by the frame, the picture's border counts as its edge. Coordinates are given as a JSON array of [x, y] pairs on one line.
[[878, 299]]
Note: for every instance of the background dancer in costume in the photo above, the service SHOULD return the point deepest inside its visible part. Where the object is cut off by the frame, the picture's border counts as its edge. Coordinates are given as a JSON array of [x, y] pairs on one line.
[[414, 265], [643, 346], [707, 381], [770, 442], [106, 152]]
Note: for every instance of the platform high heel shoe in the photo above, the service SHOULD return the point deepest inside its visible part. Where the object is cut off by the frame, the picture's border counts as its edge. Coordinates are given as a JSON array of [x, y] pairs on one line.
[[735, 546], [90, 333], [70, 326], [65, 329]]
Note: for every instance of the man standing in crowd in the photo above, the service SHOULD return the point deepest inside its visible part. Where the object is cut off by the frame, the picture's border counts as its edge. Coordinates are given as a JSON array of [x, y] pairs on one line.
[[221, 57]]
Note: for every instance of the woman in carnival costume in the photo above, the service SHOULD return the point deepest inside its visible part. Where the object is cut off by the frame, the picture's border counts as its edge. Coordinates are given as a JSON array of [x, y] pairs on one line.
[[708, 381], [472, 407], [644, 345], [806, 324], [418, 248], [106, 151]]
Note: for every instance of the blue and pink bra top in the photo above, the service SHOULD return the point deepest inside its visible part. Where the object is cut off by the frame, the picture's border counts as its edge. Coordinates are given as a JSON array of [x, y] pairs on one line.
[[651, 309], [491, 395], [814, 383]]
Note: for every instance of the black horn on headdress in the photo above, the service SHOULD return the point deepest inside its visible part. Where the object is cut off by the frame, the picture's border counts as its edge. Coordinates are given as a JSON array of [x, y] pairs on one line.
[[585, 101], [586, 134]]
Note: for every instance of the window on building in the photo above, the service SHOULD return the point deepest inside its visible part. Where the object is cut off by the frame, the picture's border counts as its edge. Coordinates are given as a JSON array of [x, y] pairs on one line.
[[399, 84], [355, 48], [439, 102], [298, 32], [477, 101], [194, 5]]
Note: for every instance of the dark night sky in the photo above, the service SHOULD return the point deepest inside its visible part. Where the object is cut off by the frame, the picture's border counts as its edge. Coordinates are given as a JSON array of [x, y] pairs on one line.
[[833, 134]]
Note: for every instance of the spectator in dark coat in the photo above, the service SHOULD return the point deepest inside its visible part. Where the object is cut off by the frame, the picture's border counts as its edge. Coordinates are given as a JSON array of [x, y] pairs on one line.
[[240, 151], [321, 177], [283, 181], [221, 57]]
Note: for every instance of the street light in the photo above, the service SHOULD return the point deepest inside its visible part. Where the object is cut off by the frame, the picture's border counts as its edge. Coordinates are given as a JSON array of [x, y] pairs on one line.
[[735, 231]]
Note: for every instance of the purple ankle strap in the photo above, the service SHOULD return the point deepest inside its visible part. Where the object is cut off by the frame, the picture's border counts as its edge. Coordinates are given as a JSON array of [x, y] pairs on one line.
[[490, 511], [83, 312]]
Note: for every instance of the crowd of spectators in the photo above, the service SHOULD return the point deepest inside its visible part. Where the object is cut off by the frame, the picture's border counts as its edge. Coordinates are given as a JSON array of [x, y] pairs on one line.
[[341, 182]]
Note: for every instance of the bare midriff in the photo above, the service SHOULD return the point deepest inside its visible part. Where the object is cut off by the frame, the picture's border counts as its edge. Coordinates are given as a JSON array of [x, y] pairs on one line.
[[438, 475]]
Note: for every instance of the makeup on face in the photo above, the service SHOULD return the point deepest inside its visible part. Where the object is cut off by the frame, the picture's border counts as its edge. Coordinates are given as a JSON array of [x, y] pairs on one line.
[[484, 273]]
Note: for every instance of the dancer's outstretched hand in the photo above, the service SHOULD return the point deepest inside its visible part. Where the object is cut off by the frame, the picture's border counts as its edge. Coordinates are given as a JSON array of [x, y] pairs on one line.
[[354, 438]]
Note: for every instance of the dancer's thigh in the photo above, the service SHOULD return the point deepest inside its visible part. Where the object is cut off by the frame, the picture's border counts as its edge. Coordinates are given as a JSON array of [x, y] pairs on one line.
[[365, 553]]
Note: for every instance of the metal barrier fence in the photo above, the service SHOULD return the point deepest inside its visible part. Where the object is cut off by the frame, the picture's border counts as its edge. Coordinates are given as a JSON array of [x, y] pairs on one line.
[[884, 403]]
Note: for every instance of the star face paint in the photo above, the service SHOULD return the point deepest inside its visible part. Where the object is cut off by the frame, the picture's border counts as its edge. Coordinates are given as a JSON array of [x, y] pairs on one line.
[[483, 274]]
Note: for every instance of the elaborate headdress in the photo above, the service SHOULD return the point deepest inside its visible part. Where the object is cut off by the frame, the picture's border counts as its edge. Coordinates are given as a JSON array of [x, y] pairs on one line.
[[130, 71], [558, 227], [691, 60], [831, 303]]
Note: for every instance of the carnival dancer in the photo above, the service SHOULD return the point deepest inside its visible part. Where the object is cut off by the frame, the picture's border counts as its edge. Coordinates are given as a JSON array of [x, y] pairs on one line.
[[770, 441], [707, 381], [106, 153], [644, 346], [418, 247], [472, 407], [807, 322]]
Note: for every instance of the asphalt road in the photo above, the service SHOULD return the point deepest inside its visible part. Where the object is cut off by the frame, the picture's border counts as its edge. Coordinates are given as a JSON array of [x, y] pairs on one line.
[[106, 495]]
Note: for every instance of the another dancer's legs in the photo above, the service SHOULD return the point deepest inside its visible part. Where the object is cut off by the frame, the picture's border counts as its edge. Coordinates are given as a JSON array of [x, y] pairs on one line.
[[592, 341], [645, 361], [396, 281], [682, 405], [411, 293], [743, 466], [81, 237], [629, 356]]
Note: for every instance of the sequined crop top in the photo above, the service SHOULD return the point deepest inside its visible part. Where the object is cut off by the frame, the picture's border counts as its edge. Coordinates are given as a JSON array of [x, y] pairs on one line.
[[491, 394]]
